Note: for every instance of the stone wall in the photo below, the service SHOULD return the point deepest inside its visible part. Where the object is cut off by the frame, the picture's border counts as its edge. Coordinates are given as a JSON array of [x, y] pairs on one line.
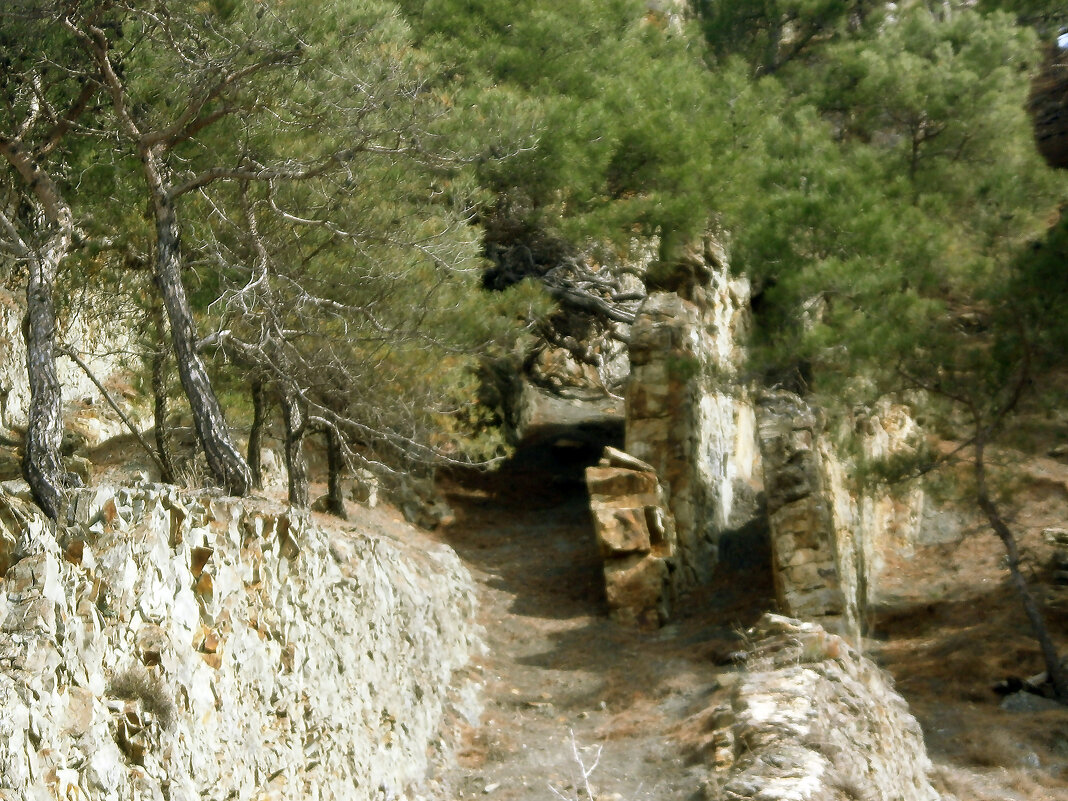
[[818, 566], [194, 647], [812, 720], [687, 415]]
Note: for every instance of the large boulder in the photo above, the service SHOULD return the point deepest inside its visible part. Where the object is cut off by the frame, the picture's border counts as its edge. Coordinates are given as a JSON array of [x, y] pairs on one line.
[[810, 719]]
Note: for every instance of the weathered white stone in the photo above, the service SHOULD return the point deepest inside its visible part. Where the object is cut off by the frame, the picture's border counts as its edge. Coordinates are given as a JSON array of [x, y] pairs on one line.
[[812, 720], [284, 668], [686, 413]]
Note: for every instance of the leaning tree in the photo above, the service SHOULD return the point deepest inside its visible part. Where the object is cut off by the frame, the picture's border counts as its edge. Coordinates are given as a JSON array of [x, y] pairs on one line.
[[48, 102]]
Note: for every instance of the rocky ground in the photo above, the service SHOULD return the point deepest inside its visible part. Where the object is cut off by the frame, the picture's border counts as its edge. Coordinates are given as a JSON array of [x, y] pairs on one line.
[[957, 628], [568, 690]]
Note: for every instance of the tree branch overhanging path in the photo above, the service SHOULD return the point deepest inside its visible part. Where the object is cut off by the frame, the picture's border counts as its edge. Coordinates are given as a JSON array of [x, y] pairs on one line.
[[291, 171]]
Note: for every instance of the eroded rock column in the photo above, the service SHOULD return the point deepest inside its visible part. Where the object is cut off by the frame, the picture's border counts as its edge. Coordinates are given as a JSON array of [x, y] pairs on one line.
[[686, 413], [635, 535], [816, 567]]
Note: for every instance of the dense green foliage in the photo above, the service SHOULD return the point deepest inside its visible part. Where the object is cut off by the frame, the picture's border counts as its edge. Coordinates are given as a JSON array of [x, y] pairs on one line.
[[893, 193], [340, 190]]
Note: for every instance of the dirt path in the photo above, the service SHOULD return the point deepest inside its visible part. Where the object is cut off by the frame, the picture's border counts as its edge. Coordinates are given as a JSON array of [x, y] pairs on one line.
[[556, 664]]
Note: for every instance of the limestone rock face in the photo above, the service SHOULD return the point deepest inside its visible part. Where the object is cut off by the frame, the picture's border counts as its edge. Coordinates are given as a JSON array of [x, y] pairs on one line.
[[876, 525], [812, 720], [686, 415], [194, 647], [636, 537]]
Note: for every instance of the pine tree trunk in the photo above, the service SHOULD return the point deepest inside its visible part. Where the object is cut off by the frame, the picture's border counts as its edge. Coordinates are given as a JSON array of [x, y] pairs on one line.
[[168, 474], [255, 434], [42, 465], [336, 466], [1054, 669], [295, 418], [227, 465]]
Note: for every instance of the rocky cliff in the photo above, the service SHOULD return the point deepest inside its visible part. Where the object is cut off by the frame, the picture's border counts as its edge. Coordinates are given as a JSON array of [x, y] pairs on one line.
[[195, 647], [733, 468], [687, 414]]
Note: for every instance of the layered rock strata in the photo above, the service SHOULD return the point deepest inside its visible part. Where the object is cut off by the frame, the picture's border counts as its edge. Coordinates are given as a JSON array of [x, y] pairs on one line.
[[686, 413], [635, 535], [817, 564], [812, 720], [180, 647]]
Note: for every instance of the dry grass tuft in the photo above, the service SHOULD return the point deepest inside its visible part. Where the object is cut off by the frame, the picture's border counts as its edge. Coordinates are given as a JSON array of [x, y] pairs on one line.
[[136, 683]]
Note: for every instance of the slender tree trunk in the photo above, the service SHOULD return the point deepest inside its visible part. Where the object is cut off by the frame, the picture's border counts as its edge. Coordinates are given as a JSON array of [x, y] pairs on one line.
[[255, 434], [41, 463], [168, 474], [296, 467], [336, 465], [227, 465], [1054, 669]]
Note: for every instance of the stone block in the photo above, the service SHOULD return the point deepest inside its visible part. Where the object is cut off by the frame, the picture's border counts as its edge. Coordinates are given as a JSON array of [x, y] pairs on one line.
[[1029, 703], [81, 467], [818, 602], [661, 527], [650, 337], [621, 531], [365, 488], [34, 614], [613, 457], [806, 522], [1055, 535], [610, 482], [636, 586], [650, 401], [803, 556], [811, 575], [78, 718]]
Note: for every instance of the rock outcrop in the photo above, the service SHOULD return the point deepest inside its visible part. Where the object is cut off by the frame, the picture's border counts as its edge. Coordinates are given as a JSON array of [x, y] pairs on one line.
[[812, 720], [635, 535], [686, 413], [198, 647], [888, 520], [817, 564]]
